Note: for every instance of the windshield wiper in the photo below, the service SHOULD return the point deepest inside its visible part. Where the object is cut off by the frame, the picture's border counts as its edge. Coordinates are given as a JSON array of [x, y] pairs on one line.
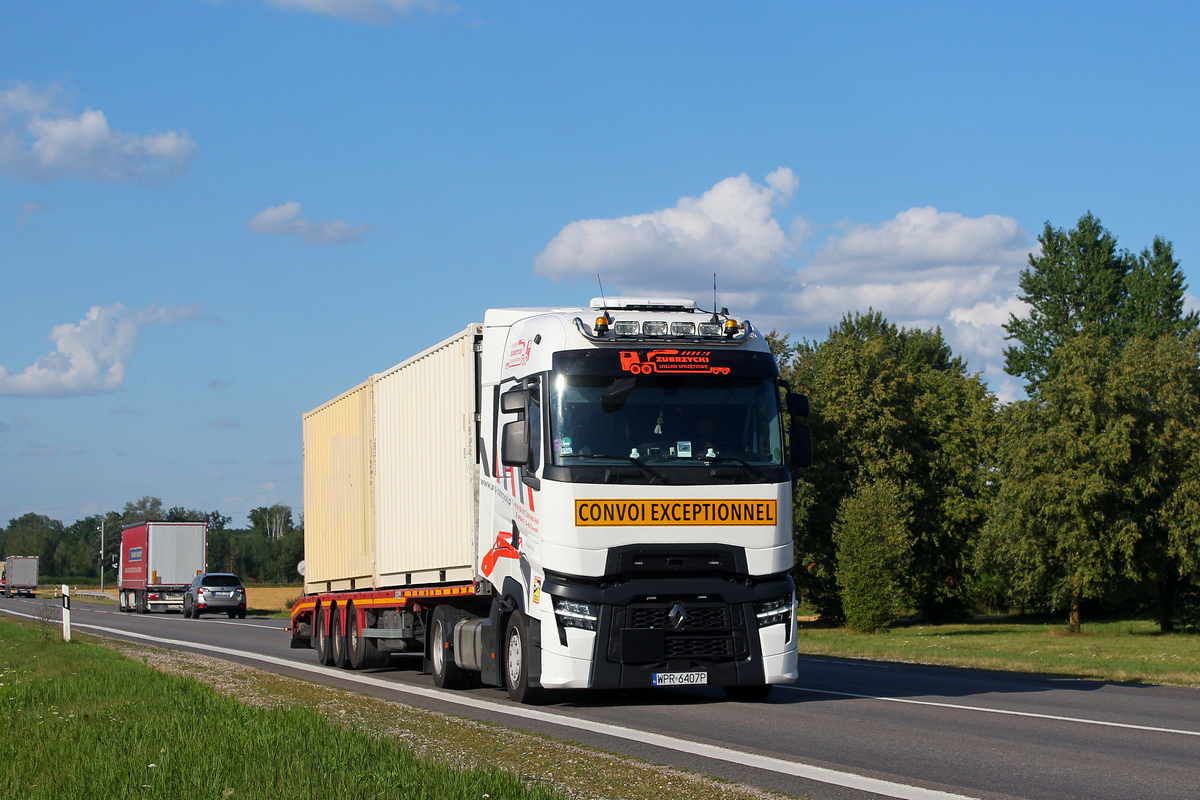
[[761, 475], [635, 461]]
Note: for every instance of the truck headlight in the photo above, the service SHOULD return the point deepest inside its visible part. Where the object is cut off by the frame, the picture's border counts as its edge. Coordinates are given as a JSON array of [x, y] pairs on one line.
[[571, 614], [774, 612]]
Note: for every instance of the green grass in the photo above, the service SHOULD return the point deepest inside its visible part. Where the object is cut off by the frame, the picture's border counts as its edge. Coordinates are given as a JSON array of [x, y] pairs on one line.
[[86, 722], [1115, 651]]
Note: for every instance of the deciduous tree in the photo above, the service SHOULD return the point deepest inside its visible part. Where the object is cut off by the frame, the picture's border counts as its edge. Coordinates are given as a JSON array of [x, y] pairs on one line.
[[891, 404]]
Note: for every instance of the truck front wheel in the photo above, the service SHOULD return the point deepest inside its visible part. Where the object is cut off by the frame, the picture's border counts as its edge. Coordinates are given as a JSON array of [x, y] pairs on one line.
[[516, 661]]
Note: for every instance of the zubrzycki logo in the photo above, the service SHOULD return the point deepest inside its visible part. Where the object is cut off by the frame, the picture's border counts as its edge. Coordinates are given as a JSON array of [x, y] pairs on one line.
[[643, 362], [135, 554], [518, 356]]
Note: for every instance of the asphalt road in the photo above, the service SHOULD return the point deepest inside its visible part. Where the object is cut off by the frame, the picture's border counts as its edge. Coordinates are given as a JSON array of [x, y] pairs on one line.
[[846, 729]]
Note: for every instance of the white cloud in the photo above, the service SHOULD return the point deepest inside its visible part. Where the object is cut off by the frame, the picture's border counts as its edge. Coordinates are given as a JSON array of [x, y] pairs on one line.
[[92, 355], [729, 230], [923, 268], [41, 140], [372, 12], [28, 210], [288, 220]]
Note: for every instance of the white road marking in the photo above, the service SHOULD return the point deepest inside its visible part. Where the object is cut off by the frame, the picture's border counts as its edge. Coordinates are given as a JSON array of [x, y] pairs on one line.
[[986, 710], [742, 758]]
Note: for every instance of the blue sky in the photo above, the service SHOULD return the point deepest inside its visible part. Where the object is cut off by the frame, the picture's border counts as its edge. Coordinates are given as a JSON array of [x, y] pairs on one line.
[[216, 215]]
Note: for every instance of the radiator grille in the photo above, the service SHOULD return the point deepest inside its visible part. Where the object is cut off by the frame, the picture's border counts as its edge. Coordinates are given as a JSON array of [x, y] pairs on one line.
[[708, 631]]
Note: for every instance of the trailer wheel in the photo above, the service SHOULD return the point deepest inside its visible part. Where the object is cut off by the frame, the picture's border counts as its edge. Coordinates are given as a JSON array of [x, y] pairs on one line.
[[337, 637], [364, 652], [516, 661], [748, 694], [446, 673], [321, 641]]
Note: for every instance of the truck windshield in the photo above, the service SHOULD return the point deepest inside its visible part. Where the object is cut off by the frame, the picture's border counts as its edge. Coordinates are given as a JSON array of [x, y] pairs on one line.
[[677, 420]]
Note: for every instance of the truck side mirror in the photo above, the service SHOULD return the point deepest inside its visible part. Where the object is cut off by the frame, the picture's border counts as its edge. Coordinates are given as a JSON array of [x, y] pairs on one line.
[[514, 401], [797, 404], [802, 445], [514, 444]]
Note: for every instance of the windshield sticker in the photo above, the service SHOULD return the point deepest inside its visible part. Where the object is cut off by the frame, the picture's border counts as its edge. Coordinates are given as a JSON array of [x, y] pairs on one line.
[[674, 512], [679, 362]]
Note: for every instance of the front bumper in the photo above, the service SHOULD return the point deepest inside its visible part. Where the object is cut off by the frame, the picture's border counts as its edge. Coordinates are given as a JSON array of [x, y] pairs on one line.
[[651, 624]]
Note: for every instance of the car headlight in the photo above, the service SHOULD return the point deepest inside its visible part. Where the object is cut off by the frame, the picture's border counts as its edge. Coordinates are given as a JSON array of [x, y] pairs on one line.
[[774, 612], [571, 614]]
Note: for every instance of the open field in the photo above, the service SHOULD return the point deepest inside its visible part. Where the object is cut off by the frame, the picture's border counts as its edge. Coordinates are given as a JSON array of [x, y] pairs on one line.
[[1115, 651], [271, 599], [179, 738]]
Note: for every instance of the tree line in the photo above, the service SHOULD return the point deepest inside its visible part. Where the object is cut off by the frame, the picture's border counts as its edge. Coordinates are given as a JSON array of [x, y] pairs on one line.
[[929, 496], [266, 552]]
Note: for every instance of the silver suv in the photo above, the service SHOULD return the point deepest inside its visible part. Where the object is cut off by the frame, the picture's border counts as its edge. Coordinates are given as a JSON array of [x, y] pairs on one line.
[[215, 591]]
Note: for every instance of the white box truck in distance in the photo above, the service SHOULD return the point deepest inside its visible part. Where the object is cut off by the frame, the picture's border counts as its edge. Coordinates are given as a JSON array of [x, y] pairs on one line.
[[158, 562], [20, 576], [561, 498]]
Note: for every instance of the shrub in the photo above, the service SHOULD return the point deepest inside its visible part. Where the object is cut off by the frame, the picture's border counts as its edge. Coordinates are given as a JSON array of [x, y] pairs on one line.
[[872, 540]]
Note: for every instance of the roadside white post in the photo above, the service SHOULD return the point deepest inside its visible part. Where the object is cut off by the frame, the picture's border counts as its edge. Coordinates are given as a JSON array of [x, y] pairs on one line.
[[66, 594]]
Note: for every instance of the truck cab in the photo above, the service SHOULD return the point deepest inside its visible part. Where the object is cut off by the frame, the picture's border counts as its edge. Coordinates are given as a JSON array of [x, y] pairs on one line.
[[639, 497]]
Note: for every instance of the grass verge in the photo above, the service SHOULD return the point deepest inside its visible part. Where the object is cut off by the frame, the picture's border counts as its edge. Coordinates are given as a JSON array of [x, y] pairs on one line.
[[1115, 651], [95, 724], [101, 718]]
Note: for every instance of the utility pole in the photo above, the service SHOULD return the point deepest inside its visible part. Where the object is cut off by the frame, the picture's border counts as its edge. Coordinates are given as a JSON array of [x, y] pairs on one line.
[[102, 554]]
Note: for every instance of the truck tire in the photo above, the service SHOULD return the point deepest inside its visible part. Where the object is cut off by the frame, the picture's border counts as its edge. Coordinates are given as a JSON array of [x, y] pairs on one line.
[[321, 642], [364, 653], [337, 639], [140, 602], [516, 661], [748, 694], [446, 673]]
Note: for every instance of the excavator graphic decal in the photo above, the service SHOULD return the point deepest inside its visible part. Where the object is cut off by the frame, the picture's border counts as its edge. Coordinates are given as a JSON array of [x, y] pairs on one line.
[[688, 362]]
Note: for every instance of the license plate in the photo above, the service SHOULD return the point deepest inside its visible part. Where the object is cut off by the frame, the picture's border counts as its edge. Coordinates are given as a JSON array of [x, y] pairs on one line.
[[680, 678], [224, 594]]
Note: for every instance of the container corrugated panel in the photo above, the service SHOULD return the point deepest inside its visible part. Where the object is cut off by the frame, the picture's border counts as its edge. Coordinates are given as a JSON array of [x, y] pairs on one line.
[[338, 518], [426, 486]]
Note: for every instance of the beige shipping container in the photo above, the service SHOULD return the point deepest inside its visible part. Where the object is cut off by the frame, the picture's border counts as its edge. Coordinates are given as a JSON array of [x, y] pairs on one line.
[[390, 476], [338, 513], [426, 476]]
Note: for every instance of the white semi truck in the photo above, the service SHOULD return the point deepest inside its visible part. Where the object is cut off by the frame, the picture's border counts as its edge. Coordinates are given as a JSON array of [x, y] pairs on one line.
[[561, 498], [19, 576]]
